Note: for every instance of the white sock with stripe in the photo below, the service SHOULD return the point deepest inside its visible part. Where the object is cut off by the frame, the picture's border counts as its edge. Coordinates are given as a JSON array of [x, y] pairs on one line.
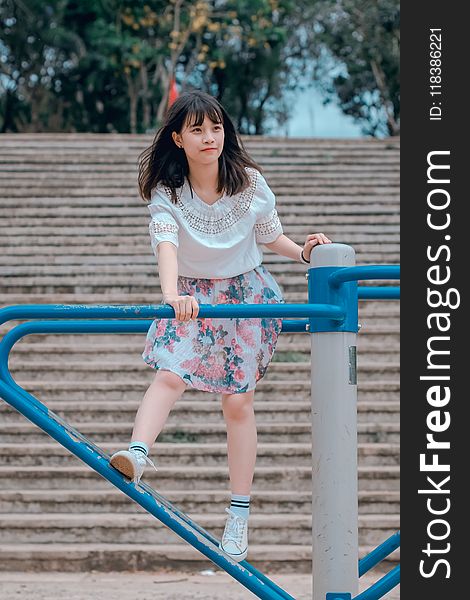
[[240, 505], [139, 447]]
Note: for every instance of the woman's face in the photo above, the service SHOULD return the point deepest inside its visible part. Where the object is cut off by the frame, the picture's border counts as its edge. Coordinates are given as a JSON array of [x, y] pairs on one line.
[[202, 144]]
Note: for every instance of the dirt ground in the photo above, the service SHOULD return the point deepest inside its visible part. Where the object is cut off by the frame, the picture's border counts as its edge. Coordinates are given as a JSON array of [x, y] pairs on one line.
[[206, 585]]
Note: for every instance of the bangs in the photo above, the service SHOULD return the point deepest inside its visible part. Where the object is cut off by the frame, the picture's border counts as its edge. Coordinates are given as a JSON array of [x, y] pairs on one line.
[[200, 110]]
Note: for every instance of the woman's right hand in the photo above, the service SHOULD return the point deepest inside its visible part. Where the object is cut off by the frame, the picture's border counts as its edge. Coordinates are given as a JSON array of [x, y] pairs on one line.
[[186, 307]]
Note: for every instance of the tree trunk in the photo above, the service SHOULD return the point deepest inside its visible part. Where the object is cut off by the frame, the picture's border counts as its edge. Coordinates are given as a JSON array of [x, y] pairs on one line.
[[165, 81], [145, 97], [392, 125], [133, 98]]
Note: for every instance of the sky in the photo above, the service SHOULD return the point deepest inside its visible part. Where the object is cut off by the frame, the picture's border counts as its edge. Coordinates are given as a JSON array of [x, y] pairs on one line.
[[312, 119]]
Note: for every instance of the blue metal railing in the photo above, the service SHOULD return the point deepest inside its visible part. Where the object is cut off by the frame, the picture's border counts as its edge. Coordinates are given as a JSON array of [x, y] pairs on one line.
[[131, 321]]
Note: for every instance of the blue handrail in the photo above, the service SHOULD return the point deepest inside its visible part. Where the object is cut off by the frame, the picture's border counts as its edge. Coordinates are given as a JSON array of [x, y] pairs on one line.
[[276, 310], [379, 553], [382, 586], [362, 273]]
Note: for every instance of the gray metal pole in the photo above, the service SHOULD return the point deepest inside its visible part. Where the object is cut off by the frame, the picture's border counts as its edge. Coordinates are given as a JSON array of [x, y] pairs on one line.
[[334, 449]]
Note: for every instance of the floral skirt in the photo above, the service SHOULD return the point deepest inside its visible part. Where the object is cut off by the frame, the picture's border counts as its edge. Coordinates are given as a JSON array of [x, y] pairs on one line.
[[216, 354]]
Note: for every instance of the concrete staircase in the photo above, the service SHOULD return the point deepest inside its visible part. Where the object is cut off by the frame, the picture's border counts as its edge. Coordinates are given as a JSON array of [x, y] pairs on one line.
[[74, 231]]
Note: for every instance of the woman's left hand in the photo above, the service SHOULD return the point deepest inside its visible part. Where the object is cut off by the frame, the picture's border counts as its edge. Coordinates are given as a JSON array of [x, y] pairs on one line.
[[313, 240]]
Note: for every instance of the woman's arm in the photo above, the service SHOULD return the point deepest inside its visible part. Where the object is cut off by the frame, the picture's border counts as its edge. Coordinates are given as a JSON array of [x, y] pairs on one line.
[[286, 247], [186, 307], [168, 268]]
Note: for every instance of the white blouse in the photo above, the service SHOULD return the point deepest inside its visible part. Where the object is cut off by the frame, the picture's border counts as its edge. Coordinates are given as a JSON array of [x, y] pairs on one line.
[[219, 240]]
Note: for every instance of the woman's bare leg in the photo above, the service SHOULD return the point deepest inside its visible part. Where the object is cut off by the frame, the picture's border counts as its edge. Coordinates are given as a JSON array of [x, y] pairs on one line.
[[156, 405], [242, 440]]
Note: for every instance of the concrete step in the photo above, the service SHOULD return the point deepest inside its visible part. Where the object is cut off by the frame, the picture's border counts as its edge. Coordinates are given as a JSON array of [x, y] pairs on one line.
[[374, 329], [115, 168], [273, 169], [134, 390], [48, 263], [131, 528], [140, 251], [280, 173], [129, 266], [299, 176], [274, 558], [103, 284], [106, 371], [131, 203], [194, 455], [138, 220], [113, 143], [71, 501], [349, 187], [197, 433], [370, 348], [123, 240], [378, 333], [200, 411], [128, 235], [109, 255], [17, 213], [63, 172], [294, 478]]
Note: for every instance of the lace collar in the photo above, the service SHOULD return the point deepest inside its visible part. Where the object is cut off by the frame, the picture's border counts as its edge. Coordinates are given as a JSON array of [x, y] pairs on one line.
[[218, 217]]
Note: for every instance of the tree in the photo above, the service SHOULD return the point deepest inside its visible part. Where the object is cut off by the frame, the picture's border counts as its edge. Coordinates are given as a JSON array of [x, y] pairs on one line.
[[34, 50], [357, 45], [106, 65]]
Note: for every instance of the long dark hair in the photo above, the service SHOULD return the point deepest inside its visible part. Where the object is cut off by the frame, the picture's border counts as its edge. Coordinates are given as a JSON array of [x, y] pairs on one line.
[[164, 162]]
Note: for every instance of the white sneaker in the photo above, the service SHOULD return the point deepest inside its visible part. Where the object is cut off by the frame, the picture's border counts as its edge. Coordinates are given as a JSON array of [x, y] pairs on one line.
[[131, 464], [235, 539]]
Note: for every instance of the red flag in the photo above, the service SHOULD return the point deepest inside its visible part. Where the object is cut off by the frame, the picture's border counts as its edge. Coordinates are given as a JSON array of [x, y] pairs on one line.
[[173, 93]]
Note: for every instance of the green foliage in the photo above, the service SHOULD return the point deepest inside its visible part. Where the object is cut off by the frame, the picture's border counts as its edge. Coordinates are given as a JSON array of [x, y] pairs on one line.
[[250, 48], [358, 52], [106, 65]]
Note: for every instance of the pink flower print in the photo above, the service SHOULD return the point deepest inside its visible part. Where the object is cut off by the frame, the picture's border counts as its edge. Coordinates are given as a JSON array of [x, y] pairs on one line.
[[218, 372], [161, 326], [238, 350], [258, 299], [246, 334], [182, 330], [207, 326], [239, 375], [200, 371], [232, 365], [204, 371], [191, 365]]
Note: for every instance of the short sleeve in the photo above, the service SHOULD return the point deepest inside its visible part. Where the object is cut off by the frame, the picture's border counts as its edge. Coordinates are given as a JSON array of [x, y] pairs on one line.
[[163, 226], [268, 226]]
